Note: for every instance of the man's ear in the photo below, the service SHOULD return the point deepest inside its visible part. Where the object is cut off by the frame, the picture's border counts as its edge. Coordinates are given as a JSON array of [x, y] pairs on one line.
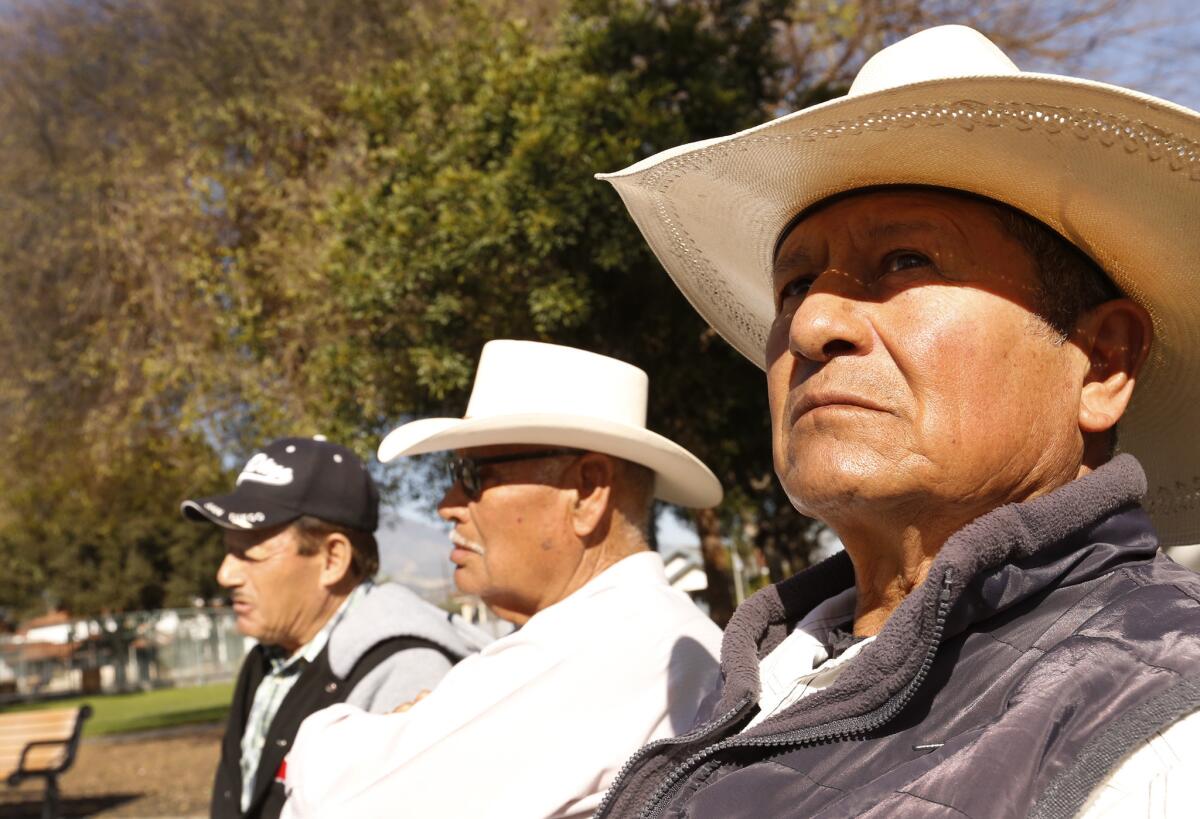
[[1116, 337], [336, 560], [594, 481]]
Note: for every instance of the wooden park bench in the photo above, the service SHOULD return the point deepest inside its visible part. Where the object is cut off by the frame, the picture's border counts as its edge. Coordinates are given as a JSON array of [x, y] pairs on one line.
[[41, 743]]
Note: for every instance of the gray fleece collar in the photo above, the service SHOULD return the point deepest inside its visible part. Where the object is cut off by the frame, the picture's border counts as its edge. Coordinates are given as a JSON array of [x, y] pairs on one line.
[[996, 541]]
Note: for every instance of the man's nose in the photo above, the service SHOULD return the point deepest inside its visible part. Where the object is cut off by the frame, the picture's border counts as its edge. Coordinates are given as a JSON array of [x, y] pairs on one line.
[[229, 573], [831, 321], [453, 505]]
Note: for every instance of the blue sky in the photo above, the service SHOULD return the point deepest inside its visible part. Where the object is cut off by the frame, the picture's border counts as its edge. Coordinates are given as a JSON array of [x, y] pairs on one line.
[[1162, 60]]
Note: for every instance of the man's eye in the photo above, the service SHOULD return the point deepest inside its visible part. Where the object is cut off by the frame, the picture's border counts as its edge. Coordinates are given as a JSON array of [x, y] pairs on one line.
[[905, 260], [795, 289]]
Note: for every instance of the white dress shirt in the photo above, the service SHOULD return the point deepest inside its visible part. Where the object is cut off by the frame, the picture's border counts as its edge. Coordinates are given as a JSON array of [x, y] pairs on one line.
[[1157, 780], [537, 724]]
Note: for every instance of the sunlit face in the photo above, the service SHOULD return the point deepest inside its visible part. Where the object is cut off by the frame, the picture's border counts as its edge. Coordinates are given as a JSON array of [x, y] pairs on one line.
[[276, 591], [907, 365], [513, 546]]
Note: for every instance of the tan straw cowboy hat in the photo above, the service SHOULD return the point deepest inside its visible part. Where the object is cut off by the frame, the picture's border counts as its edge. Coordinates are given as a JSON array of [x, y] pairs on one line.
[[1114, 171], [526, 392]]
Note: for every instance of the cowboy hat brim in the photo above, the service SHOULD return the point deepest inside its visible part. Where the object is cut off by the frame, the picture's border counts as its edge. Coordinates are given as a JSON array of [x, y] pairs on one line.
[[1115, 172], [680, 477]]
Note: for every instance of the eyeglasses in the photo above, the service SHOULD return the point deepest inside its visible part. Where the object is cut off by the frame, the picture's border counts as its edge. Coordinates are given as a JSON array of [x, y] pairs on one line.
[[465, 470]]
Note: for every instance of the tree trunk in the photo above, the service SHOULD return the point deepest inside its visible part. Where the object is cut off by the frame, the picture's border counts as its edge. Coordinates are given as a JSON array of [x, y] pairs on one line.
[[719, 572]]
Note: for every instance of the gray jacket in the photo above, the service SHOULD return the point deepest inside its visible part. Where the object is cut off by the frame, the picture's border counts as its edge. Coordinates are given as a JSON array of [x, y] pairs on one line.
[[1049, 640], [386, 611]]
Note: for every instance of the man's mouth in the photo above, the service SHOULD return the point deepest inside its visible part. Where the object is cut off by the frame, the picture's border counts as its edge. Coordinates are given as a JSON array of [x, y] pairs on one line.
[[461, 542], [829, 398]]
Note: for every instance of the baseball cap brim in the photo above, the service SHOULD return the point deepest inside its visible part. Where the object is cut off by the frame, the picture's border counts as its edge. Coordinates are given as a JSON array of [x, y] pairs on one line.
[[234, 512]]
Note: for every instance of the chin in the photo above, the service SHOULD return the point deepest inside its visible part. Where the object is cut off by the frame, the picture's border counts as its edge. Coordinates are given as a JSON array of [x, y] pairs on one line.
[[466, 583], [248, 630], [821, 484]]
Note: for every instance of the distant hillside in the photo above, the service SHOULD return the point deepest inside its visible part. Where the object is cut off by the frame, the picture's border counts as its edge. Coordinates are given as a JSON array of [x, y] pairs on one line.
[[416, 554]]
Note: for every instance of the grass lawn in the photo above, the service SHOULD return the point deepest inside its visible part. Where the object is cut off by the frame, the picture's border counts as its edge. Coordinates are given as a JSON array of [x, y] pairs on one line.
[[146, 710]]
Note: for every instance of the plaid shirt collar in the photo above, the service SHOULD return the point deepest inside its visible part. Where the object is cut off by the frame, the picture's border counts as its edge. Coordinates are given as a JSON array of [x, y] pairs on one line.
[[284, 664]]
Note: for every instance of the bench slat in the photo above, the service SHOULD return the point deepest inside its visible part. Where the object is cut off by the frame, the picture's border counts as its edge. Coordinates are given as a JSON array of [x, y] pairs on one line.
[[37, 726], [19, 729], [48, 713], [43, 727], [39, 759]]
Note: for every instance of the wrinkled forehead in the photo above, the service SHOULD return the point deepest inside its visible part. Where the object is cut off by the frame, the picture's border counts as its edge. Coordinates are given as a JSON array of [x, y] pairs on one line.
[[895, 193]]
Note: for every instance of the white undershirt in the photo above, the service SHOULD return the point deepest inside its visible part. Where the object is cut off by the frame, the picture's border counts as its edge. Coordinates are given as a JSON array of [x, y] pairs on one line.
[[1157, 781]]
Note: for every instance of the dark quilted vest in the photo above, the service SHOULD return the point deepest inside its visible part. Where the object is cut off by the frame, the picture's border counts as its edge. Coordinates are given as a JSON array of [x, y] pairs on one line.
[[318, 687], [1048, 641]]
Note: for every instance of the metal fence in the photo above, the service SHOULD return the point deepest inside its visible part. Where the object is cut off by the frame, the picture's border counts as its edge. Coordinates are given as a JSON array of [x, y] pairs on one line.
[[123, 652]]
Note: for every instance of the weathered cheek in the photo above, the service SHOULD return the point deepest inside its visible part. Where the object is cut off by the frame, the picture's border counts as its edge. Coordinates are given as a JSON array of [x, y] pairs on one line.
[[934, 323], [778, 384], [1003, 387], [964, 365]]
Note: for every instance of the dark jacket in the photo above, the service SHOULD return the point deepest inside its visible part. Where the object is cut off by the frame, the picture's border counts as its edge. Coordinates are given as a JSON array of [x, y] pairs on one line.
[[388, 647], [1048, 640]]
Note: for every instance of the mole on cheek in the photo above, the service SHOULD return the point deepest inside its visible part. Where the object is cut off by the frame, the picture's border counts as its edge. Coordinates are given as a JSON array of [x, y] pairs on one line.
[[547, 545]]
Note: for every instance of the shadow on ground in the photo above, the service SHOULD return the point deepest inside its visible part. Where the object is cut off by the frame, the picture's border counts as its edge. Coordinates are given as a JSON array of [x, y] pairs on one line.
[[67, 807]]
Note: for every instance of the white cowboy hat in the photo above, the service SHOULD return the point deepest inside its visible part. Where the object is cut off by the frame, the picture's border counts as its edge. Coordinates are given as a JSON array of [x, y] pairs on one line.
[[1114, 171], [527, 392]]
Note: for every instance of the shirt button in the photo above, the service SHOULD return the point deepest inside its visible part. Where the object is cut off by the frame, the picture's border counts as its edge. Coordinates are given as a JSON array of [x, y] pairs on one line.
[[282, 743], [329, 689]]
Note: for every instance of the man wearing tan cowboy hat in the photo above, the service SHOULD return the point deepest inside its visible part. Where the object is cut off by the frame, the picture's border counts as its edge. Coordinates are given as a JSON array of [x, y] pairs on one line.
[[555, 477], [969, 287]]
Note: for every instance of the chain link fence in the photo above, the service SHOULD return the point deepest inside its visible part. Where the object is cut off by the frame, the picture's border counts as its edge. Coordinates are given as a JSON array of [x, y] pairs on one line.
[[59, 656]]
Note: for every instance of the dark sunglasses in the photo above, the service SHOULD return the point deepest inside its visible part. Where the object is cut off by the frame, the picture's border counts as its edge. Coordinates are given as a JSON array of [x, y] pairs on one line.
[[466, 470]]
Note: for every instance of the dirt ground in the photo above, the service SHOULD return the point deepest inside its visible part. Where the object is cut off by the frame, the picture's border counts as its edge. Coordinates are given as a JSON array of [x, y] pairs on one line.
[[165, 774]]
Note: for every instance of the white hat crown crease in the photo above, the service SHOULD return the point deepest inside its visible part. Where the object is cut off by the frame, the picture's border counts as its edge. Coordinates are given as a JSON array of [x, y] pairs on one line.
[[512, 379], [934, 54]]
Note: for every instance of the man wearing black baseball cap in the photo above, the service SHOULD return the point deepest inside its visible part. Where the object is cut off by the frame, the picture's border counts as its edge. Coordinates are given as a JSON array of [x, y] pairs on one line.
[[300, 556]]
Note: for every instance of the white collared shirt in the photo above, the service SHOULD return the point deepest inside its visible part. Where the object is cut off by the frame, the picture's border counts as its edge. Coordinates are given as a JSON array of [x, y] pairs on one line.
[[537, 724], [1156, 781]]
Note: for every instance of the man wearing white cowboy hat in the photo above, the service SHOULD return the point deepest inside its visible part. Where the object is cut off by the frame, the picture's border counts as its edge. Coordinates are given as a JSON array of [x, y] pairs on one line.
[[555, 477], [961, 280]]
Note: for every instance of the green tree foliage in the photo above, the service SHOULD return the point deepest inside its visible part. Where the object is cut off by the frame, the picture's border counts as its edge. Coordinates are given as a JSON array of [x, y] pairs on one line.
[[112, 542], [481, 219], [224, 220], [165, 167]]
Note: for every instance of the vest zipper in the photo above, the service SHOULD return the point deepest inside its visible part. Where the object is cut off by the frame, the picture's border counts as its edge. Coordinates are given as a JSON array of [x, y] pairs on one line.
[[843, 729], [647, 750]]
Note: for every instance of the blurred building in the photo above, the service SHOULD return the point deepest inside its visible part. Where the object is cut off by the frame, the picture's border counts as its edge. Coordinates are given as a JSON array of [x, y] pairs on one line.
[[57, 654]]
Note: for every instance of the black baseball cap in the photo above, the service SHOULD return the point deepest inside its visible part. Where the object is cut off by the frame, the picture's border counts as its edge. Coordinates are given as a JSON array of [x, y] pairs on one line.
[[290, 478]]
